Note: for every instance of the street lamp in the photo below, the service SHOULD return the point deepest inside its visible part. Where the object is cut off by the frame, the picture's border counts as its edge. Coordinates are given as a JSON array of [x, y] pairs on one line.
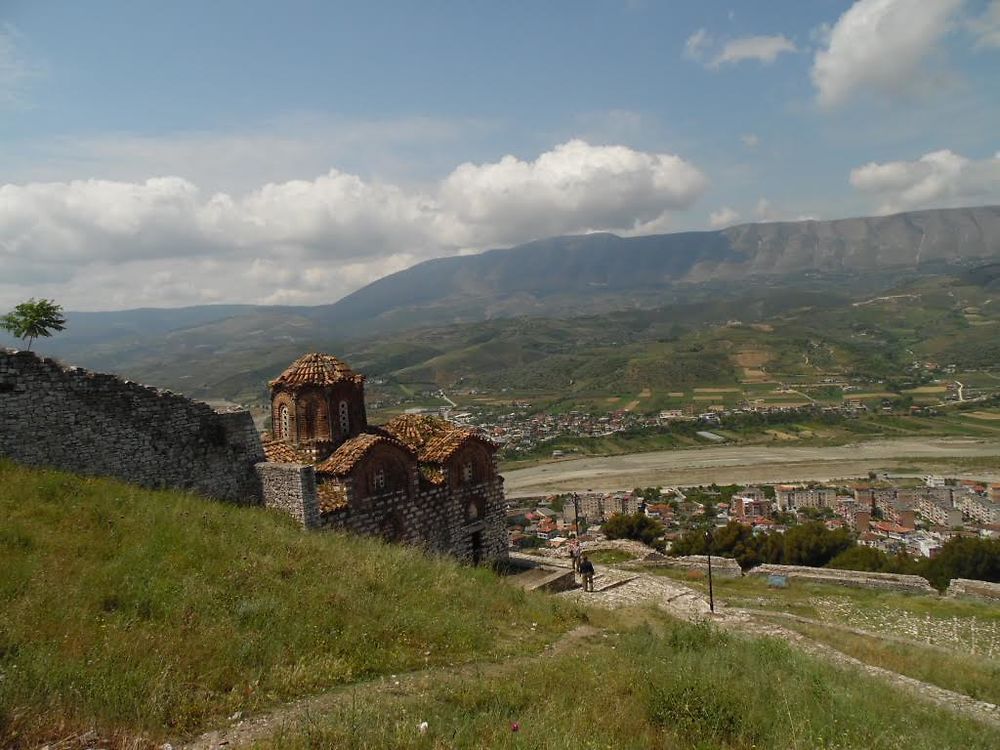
[[711, 595]]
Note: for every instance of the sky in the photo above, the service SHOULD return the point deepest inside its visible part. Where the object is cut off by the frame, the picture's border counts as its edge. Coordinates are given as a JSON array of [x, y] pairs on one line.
[[160, 154]]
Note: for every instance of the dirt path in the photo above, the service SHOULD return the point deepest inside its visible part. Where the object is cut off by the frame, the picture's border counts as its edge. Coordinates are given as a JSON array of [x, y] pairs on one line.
[[244, 732]]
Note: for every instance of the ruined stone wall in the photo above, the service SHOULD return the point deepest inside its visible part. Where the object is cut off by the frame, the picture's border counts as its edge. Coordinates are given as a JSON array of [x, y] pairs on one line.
[[978, 589], [724, 567], [290, 488], [93, 423], [858, 578]]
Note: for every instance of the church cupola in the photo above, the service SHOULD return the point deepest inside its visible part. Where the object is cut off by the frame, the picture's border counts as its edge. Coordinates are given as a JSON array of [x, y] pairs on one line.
[[317, 404]]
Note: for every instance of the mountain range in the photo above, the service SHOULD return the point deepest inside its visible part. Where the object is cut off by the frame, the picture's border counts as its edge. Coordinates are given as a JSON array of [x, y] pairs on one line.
[[773, 265]]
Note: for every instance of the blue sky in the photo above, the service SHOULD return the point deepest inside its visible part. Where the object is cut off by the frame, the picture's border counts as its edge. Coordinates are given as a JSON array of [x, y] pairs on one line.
[[188, 152]]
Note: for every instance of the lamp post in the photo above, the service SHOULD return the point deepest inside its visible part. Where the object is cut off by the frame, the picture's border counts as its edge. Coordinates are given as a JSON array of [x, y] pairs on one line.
[[711, 595]]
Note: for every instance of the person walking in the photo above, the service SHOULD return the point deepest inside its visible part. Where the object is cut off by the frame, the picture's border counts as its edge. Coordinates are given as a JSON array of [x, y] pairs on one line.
[[587, 571]]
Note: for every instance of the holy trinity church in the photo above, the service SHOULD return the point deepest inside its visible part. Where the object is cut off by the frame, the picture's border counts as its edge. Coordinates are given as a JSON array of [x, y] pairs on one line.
[[417, 479]]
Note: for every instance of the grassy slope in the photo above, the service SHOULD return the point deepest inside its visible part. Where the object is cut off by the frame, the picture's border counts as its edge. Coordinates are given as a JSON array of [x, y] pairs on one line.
[[659, 685], [960, 634], [158, 612]]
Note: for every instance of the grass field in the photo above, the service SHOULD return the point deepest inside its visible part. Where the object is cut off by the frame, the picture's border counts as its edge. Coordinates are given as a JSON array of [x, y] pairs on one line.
[[146, 616], [975, 676], [661, 684], [152, 613]]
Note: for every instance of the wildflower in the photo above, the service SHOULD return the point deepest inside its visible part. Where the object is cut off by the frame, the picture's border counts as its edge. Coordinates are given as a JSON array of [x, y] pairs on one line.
[[423, 727], [515, 727]]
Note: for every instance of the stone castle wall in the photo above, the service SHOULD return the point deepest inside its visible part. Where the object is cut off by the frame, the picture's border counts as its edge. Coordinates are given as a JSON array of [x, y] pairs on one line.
[[98, 424]]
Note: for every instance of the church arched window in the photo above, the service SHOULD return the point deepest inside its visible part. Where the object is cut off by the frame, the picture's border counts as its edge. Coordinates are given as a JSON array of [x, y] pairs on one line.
[[345, 418], [283, 425]]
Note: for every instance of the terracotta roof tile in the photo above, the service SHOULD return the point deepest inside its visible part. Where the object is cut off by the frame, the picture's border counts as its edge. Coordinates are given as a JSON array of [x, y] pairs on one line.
[[316, 369], [345, 458], [280, 452], [433, 474], [332, 496], [432, 438], [417, 429]]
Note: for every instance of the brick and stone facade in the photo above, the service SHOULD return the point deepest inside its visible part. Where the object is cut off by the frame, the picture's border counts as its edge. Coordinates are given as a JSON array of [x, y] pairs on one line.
[[92, 423], [417, 480]]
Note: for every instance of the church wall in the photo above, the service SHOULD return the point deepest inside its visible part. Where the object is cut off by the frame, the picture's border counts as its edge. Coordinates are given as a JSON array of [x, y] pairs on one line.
[[433, 518], [290, 488], [93, 423]]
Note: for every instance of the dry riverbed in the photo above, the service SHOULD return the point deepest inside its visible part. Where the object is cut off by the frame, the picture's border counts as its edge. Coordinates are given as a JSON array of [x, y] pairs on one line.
[[763, 464]]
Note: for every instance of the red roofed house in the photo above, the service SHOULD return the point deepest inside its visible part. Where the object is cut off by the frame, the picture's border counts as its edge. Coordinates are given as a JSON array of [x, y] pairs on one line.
[[417, 479]]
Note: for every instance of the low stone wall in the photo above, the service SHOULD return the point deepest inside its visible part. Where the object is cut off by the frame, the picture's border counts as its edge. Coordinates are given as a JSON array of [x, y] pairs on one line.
[[93, 423], [977, 589], [724, 567], [857, 578]]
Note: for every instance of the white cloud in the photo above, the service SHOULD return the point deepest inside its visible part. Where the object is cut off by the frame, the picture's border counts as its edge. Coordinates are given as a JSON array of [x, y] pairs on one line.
[[750, 140], [575, 187], [765, 49], [696, 44], [986, 28], [166, 241], [724, 217], [938, 179], [880, 46]]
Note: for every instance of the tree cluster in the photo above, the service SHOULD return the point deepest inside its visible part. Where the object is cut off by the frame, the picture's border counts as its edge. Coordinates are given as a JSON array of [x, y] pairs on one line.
[[637, 526], [815, 545], [806, 544]]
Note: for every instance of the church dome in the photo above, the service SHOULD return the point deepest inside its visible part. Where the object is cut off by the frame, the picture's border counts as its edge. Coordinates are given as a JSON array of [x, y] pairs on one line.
[[316, 369]]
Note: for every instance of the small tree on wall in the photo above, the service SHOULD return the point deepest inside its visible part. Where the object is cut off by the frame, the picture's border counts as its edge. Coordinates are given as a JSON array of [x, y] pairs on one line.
[[34, 318]]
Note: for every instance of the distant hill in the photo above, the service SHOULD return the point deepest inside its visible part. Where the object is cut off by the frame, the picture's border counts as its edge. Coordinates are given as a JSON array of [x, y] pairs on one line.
[[749, 272]]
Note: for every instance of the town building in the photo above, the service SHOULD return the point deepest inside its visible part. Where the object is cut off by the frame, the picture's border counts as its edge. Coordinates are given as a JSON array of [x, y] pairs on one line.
[[795, 498]]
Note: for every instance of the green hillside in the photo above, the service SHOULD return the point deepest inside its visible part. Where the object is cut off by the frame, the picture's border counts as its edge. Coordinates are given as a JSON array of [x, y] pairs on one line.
[[141, 617], [158, 613]]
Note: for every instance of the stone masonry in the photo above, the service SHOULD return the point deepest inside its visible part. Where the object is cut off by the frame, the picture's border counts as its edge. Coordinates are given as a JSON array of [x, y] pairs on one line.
[[418, 480], [98, 424], [856, 578]]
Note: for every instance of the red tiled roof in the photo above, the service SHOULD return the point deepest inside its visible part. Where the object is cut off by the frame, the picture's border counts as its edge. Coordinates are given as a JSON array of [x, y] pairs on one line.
[[432, 438], [332, 496], [416, 429], [316, 369], [345, 458], [280, 452]]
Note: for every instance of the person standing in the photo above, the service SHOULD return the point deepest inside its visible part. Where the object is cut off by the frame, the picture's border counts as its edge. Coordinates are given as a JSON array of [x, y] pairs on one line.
[[587, 571]]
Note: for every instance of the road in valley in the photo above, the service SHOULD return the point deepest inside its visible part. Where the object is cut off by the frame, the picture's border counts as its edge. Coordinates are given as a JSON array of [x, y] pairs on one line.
[[746, 464]]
